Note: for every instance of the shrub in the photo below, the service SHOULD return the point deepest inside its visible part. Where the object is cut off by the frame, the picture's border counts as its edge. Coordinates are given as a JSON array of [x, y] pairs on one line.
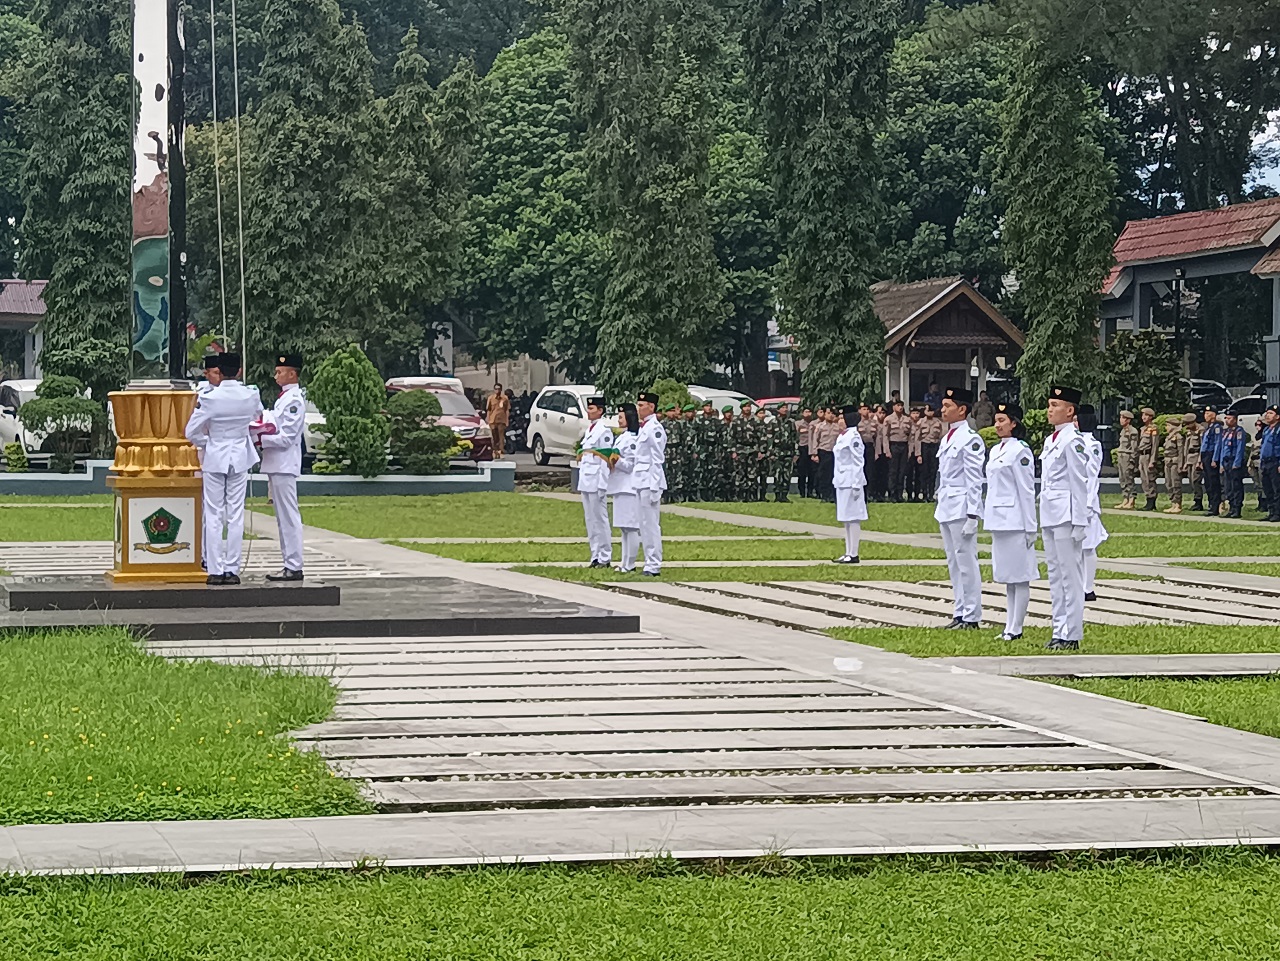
[[15, 458], [65, 417], [349, 392], [1036, 424], [669, 392], [419, 444], [989, 437]]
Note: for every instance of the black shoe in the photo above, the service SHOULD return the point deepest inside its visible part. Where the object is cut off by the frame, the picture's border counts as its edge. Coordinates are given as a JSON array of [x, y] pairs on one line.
[[288, 575], [968, 626], [230, 578], [847, 559], [954, 625], [1060, 645], [1234, 515], [215, 580], [649, 574], [1210, 513], [204, 566], [1091, 596], [1198, 507], [592, 566]]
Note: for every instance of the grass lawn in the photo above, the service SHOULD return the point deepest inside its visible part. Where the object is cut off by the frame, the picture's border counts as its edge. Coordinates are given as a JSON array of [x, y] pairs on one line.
[[1207, 906], [492, 514], [93, 729], [755, 550], [57, 523], [7, 500], [1098, 639], [1264, 570], [1215, 545], [918, 518], [1248, 703], [752, 575]]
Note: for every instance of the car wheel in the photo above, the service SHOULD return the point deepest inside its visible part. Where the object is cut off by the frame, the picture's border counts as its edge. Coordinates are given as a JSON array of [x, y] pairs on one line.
[[540, 455]]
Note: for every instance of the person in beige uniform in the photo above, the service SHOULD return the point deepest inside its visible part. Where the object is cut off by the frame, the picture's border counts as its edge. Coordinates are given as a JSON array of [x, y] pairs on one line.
[[1148, 448], [867, 428], [931, 427], [914, 481], [1195, 470], [897, 431], [1175, 464], [824, 439], [498, 415], [1127, 459]]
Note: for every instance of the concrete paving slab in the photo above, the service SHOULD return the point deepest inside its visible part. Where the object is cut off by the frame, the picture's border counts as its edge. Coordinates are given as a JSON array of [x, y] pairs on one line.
[[699, 600], [427, 695], [605, 708], [528, 678], [1122, 665], [778, 593], [499, 666]]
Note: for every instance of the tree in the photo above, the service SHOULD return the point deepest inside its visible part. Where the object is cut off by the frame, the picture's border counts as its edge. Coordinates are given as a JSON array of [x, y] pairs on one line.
[[1058, 228], [418, 442], [820, 71], [64, 416], [348, 390], [75, 182], [1143, 368], [642, 78], [18, 40]]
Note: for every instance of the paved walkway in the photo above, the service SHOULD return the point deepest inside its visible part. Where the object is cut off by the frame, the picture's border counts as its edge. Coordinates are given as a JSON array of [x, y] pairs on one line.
[[1122, 665]]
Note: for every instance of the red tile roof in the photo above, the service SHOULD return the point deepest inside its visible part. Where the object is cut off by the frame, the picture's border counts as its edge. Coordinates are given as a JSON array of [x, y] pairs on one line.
[[22, 297], [1196, 233]]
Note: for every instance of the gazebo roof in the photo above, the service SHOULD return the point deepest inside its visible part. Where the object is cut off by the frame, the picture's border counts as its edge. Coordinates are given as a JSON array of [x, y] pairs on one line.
[[23, 298], [905, 308]]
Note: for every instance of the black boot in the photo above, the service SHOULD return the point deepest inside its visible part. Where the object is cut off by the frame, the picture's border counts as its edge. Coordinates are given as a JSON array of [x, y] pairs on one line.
[[1151, 504]]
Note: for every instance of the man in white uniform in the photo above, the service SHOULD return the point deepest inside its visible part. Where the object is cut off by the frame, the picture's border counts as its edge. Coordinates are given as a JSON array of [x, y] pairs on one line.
[[650, 479], [961, 459], [282, 462], [1064, 517], [593, 483], [212, 378], [221, 420]]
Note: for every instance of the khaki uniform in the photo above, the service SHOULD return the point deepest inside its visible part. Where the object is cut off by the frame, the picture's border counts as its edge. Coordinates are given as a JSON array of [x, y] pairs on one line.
[[1148, 448], [898, 429], [931, 429], [1127, 462], [1195, 468], [1175, 460]]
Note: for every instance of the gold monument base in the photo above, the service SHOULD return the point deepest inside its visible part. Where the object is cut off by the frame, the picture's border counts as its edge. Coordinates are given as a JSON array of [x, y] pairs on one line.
[[159, 536]]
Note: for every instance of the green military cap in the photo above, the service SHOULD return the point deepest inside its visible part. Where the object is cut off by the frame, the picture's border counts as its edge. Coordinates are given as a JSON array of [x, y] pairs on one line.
[[745, 404], [727, 409], [689, 408]]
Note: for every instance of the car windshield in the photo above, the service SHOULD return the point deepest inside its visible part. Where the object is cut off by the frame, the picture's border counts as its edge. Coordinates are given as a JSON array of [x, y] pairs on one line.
[[454, 404]]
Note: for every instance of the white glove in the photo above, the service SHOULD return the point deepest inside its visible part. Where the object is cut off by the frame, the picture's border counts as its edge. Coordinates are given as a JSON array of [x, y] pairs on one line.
[[1031, 540], [1077, 534], [970, 527]]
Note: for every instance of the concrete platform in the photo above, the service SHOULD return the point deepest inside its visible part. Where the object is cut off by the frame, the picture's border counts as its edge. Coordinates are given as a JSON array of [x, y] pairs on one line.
[[93, 594]]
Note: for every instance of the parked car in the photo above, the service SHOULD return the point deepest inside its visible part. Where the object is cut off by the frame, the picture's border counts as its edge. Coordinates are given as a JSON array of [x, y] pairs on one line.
[[557, 421], [15, 393], [1210, 393], [457, 413], [1248, 410], [430, 382], [771, 404], [719, 398]]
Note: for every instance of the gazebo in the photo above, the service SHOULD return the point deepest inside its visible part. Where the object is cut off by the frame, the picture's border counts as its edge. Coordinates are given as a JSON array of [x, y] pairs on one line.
[[941, 330]]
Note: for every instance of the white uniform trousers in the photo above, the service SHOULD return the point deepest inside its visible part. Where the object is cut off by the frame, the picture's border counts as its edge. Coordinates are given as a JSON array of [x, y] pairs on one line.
[[852, 537], [651, 530], [1065, 558], [962, 562], [595, 509], [224, 508], [1090, 569], [1019, 599], [284, 497]]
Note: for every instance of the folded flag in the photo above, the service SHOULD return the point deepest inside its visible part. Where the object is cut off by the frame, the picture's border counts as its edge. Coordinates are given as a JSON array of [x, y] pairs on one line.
[[610, 455]]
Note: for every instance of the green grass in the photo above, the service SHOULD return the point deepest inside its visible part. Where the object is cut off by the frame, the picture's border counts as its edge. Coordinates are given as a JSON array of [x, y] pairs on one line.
[[491, 514], [54, 524], [1171, 906], [918, 518], [8, 499], [1248, 703], [1098, 639], [752, 575], [757, 550], [1263, 570], [94, 729], [1214, 545]]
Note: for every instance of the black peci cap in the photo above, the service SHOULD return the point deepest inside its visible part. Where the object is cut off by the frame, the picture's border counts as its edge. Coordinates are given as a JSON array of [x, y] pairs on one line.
[[1012, 411], [852, 415], [596, 402], [648, 397], [229, 364], [1068, 394], [285, 359], [959, 395], [211, 362]]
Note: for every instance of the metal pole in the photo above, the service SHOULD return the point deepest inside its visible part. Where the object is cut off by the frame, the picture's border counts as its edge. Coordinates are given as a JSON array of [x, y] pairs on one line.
[[177, 195]]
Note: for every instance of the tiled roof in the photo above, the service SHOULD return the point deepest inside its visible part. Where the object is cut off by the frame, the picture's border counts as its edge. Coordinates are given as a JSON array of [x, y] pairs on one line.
[[1269, 265], [22, 297], [894, 303], [1196, 233]]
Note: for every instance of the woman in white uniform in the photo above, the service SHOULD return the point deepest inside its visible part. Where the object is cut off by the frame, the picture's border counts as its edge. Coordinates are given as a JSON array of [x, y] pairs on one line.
[[1010, 515], [1095, 534], [626, 502], [849, 481]]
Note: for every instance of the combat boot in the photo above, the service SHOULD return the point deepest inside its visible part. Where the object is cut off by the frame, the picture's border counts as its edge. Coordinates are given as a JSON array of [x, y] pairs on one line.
[[1198, 507], [1173, 509], [1151, 504]]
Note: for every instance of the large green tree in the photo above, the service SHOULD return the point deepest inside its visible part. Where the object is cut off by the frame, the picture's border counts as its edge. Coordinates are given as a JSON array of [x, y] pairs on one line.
[[18, 43], [1058, 227], [820, 71], [643, 77], [75, 185]]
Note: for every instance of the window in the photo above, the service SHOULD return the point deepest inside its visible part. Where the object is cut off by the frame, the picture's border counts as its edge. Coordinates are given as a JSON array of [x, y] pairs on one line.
[[553, 401], [454, 404], [1249, 405], [8, 398]]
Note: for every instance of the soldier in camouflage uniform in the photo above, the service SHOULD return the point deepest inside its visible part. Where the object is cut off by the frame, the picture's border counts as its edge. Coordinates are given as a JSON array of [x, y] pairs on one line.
[[782, 460], [764, 447], [748, 449], [688, 458], [728, 460], [674, 427], [706, 454]]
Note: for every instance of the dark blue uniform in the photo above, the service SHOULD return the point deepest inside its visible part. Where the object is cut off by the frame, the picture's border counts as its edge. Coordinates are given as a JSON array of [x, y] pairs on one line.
[[1208, 454], [1269, 466], [1233, 456]]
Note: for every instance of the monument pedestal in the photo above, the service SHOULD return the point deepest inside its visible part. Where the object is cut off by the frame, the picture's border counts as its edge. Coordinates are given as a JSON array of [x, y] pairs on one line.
[[159, 505]]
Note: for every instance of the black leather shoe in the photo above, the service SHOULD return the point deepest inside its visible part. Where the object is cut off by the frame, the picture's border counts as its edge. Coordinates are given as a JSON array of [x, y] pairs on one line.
[[1057, 644], [288, 575], [1008, 637], [968, 626], [649, 574], [215, 580], [230, 578], [1091, 596], [954, 625]]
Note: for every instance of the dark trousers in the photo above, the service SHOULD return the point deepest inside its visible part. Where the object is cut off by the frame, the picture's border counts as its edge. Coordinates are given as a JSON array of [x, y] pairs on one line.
[[929, 470], [897, 468], [1270, 470], [880, 477], [1212, 483], [805, 474], [1233, 488], [826, 475]]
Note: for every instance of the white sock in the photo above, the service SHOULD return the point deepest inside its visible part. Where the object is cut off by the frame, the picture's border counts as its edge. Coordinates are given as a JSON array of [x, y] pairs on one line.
[[1019, 596], [1090, 570], [852, 537]]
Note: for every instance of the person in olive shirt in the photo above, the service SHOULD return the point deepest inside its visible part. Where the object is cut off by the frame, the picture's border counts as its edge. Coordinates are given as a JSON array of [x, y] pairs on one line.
[[914, 481], [782, 453], [708, 469], [1127, 459], [897, 430], [674, 426], [1195, 474], [728, 460], [1175, 458], [1148, 450], [931, 428], [688, 454]]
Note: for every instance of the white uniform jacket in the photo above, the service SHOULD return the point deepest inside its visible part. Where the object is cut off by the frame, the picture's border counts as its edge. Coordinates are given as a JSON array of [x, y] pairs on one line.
[[1096, 533], [961, 457], [849, 478], [202, 390], [1065, 466], [222, 418], [282, 451], [649, 473], [1011, 488], [593, 471]]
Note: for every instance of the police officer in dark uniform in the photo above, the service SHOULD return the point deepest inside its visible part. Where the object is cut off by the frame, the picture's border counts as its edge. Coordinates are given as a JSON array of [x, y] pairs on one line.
[[1209, 438], [1269, 462], [1233, 456]]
